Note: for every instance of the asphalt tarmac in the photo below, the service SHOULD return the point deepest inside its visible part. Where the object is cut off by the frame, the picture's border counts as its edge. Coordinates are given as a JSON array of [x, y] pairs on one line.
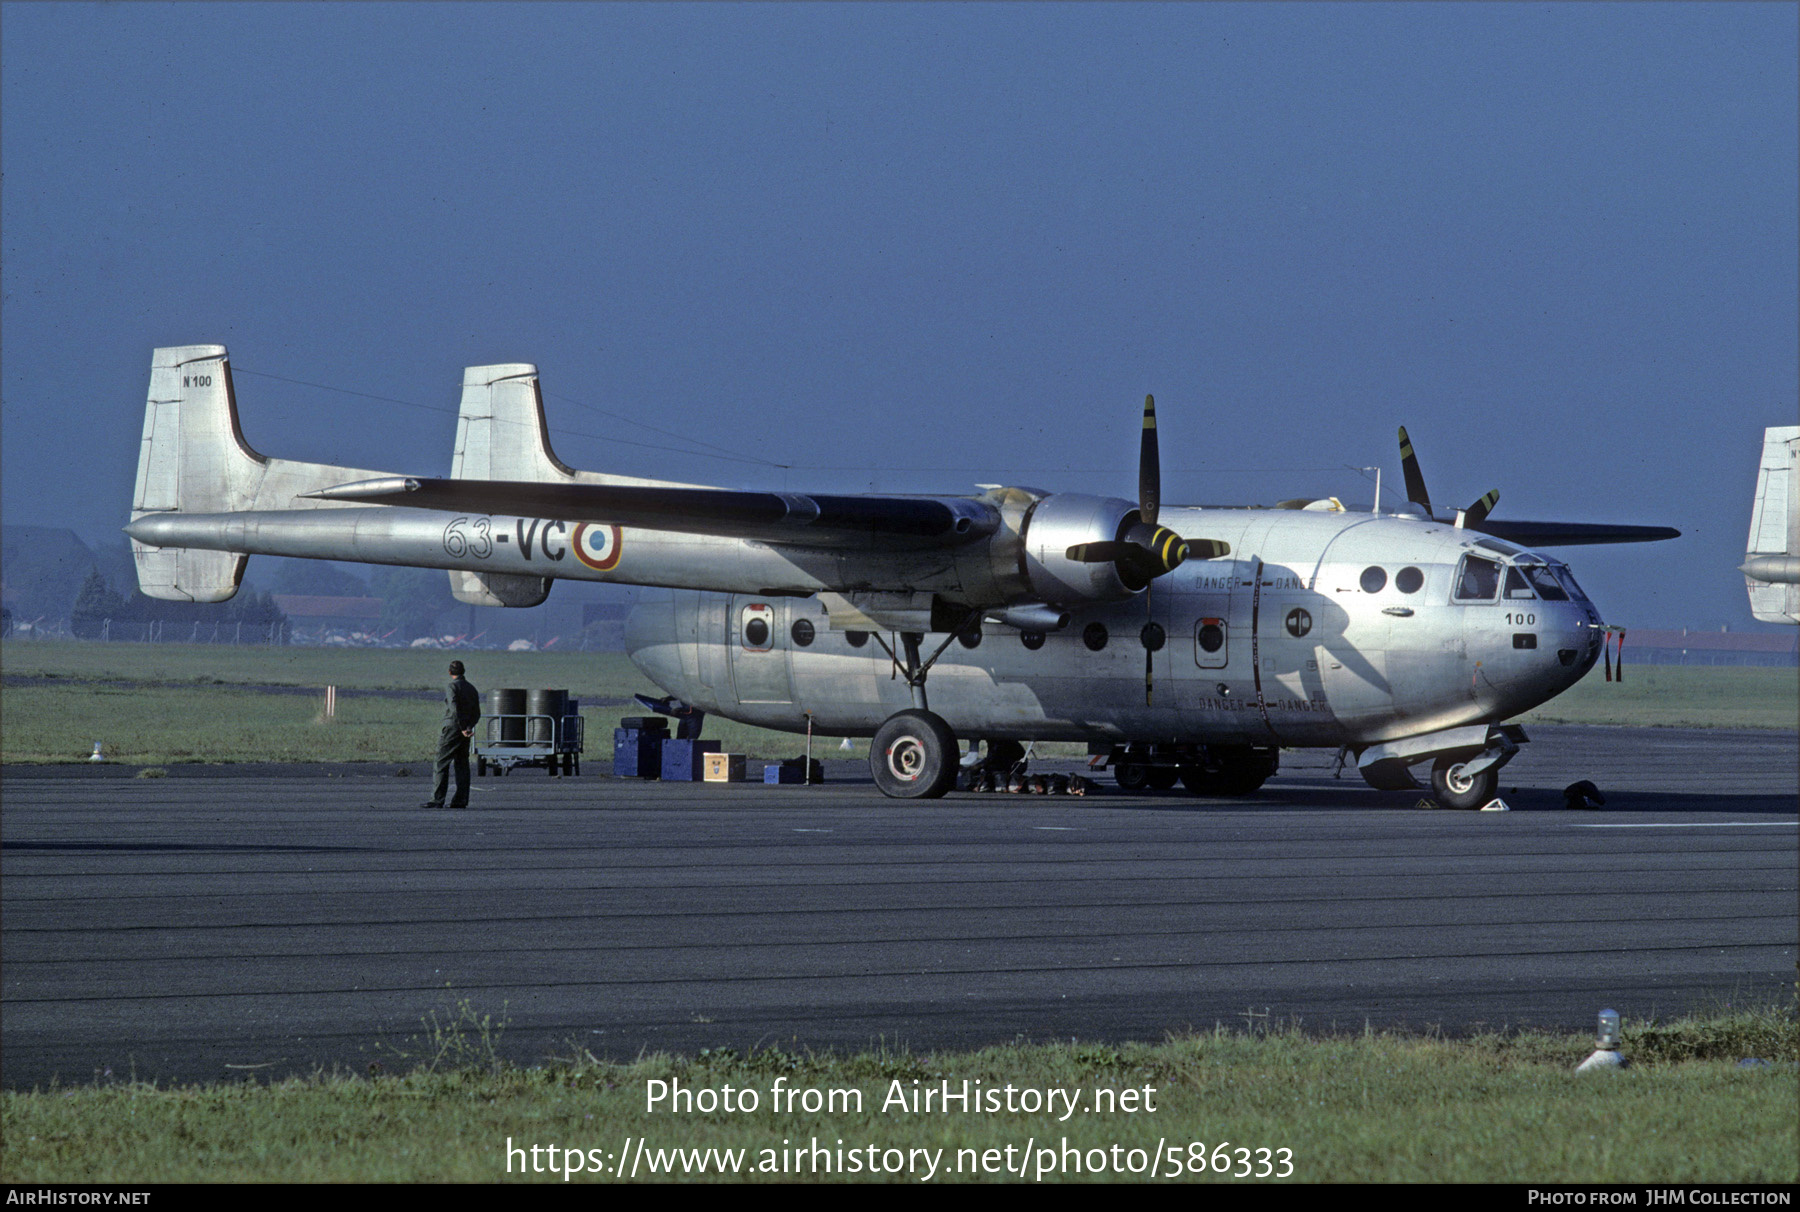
[[226, 922]]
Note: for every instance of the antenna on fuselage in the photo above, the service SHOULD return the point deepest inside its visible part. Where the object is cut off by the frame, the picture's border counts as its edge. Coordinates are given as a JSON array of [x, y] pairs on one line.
[[1376, 508]]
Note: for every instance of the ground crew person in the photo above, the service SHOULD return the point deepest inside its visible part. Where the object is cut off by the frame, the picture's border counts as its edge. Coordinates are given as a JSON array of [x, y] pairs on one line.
[[462, 707]]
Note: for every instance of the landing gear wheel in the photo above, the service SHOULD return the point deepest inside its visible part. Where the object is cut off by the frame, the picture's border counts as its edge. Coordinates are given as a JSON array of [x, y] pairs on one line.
[[914, 756], [1161, 778], [1454, 788], [1132, 776], [1230, 770]]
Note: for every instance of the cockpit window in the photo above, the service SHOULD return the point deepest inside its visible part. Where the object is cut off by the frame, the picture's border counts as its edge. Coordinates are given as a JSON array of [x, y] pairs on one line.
[[1568, 582], [1477, 580], [1546, 584], [1516, 585]]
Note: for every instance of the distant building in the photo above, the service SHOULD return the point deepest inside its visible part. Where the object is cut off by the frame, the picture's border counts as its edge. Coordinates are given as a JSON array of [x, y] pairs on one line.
[[1646, 647]]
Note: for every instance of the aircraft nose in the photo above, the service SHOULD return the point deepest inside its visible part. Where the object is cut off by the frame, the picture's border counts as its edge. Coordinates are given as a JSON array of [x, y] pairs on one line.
[[653, 643]]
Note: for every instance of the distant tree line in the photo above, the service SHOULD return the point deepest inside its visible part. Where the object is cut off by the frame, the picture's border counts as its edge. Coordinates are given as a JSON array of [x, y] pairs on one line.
[[98, 602]]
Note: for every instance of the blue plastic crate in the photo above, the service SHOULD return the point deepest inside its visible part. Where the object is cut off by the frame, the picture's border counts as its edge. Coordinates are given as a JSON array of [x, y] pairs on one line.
[[683, 760], [637, 755]]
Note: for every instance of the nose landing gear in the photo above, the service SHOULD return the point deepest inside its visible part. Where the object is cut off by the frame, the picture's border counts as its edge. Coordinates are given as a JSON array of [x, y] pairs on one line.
[[1456, 784]]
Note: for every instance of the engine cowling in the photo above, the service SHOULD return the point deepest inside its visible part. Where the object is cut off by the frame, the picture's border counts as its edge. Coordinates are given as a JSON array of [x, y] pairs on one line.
[[1068, 519]]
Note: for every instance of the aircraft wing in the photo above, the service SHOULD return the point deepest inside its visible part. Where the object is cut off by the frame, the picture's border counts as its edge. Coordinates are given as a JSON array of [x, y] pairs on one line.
[[800, 519], [1570, 534]]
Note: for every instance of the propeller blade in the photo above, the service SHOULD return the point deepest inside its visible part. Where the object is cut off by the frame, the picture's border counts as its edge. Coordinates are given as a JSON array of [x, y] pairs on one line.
[[1477, 513], [1096, 553], [1207, 549], [1149, 653], [1149, 467], [1415, 479]]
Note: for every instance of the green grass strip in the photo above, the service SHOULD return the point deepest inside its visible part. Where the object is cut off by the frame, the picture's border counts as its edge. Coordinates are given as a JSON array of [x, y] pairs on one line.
[[1369, 1108]]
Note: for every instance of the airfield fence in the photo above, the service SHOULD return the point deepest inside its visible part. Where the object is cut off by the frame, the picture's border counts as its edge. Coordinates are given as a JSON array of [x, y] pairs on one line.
[[164, 632]]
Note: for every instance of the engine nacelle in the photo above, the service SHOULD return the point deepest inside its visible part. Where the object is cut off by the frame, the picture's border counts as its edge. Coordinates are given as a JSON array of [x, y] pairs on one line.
[[1061, 521]]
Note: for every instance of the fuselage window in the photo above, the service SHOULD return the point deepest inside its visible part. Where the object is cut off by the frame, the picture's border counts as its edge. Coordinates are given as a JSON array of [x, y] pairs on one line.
[[803, 632], [970, 638], [756, 633], [1374, 580], [1409, 580], [856, 639], [1478, 580], [1094, 636], [1546, 584], [1516, 586], [1153, 636], [1033, 640], [1212, 637]]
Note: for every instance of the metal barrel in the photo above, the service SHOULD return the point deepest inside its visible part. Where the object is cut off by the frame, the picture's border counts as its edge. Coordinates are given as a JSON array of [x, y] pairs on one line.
[[551, 703], [508, 703]]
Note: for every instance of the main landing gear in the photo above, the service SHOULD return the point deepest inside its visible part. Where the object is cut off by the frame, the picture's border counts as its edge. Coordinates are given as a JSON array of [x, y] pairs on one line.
[[1216, 770], [914, 755]]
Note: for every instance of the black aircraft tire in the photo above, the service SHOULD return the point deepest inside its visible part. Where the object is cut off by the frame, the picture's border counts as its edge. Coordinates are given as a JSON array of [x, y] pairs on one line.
[[1161, 778], [1132, 776], [1454, 789], [1242, 770], [914, 756]]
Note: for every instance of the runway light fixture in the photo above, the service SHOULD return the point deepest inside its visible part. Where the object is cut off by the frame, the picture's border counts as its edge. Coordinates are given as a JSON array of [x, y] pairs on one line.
[[1608, 1035], [1606, 1045], [96, 755]]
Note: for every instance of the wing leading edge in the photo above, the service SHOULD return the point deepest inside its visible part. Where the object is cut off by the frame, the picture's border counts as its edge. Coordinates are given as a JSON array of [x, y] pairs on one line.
[[809, 519]]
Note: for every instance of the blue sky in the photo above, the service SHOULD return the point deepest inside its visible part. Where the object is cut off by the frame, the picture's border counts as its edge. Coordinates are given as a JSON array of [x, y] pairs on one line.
[[914, 247]]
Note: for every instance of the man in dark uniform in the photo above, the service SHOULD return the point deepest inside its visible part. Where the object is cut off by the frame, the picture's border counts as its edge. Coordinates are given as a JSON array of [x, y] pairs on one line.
[[462, 707]]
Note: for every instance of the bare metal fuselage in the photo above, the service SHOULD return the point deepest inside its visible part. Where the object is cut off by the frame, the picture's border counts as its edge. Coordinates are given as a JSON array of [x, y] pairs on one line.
[[1280, 644]]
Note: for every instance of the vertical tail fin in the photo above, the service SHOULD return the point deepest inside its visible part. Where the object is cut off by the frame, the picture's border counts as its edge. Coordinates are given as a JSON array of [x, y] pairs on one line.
[[1772, 553], [193, 459], [501, 435]]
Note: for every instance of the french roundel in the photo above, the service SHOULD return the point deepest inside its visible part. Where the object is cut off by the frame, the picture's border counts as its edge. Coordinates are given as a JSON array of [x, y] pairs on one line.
[[597, 545]]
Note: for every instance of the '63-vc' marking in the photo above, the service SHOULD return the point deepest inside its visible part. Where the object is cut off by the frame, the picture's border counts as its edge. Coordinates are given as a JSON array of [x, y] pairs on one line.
[[478, 537]]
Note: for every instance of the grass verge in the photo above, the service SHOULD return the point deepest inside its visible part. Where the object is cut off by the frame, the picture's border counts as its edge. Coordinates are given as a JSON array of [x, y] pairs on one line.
[[1369, 1108]]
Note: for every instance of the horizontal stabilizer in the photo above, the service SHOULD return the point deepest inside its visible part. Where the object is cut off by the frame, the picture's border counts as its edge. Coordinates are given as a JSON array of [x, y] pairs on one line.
[[802, 520]]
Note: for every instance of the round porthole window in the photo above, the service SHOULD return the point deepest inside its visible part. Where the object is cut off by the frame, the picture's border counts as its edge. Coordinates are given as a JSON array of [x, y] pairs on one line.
[[756, 633], [970, 638], [856, 639], [1212, 637], [1408, 580], [1153, 636], [1094, 636], [1374, 580], [803, 632], [1033, 640]]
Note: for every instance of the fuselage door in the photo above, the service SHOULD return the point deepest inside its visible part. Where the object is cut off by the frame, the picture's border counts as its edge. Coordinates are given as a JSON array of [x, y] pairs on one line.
[[1212, 641], [759, 652]]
